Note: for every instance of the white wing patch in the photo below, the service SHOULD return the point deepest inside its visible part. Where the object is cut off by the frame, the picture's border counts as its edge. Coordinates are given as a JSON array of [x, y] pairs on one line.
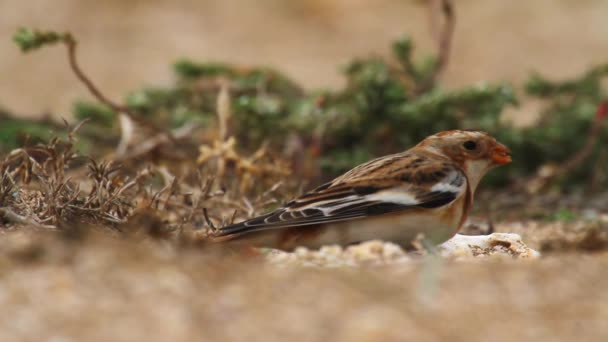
[[453, 182], [317, 204], [328, 211], [394, 196]]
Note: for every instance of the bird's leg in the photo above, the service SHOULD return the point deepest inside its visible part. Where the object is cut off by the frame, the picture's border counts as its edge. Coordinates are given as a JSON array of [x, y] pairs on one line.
[[430, 247], [423, 243]]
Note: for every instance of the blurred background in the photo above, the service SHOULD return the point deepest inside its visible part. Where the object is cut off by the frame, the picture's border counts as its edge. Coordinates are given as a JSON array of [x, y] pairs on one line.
[[127, 44], [113, 247], [325, 85]]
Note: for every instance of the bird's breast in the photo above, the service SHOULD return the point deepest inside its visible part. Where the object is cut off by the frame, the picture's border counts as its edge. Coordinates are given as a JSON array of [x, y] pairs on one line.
[[401, 229]]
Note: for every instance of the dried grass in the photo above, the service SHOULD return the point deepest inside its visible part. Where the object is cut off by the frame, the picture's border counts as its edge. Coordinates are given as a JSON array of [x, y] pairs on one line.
[[51, 186]]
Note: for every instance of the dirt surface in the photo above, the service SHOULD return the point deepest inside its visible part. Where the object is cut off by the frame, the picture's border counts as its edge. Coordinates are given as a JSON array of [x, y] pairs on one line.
[[61, 287]]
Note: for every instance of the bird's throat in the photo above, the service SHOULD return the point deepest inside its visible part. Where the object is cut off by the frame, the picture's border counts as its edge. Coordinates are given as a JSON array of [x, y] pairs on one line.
[[475, 170]]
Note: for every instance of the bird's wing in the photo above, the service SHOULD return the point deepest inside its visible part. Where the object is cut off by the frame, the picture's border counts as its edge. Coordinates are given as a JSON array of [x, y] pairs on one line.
[[386, 185]]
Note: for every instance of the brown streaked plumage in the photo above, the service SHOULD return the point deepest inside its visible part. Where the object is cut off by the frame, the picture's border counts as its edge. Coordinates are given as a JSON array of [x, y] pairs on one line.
[[426, 190]]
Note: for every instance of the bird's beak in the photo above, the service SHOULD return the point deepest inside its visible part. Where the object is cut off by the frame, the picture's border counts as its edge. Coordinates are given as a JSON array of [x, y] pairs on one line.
[[500, 154]]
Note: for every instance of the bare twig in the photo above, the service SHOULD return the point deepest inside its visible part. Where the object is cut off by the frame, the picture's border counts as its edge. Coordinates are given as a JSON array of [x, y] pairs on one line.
[[12, 216], [547, 174], [578, 158], [208, 220], [270, 191], [72, 44], [250, 209], [599, 171], [154, 142], [233, 216], [7, 184], [444, 41]]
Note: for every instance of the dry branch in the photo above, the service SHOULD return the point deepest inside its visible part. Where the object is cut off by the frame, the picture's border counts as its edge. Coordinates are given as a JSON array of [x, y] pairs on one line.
[[13, 217], [548, 173], [444, 33]]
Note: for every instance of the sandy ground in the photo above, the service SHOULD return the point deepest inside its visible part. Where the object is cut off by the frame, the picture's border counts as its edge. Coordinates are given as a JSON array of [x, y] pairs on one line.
[[65, 288], [126, 44]]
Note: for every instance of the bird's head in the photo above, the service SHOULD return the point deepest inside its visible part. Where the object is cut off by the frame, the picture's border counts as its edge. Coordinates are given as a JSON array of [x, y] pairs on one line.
[[475, 151]]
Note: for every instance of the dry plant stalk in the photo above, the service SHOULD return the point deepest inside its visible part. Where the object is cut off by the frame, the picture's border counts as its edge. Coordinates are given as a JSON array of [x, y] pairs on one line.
[[40, 188], [42, 195], [223, 108], [223, 152], [43, 187]]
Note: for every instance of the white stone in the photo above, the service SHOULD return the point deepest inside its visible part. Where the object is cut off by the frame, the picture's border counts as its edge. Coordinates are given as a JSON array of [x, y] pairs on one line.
[[485, 245]]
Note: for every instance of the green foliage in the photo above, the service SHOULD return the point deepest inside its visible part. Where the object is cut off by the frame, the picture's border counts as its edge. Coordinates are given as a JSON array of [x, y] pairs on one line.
[[564, 215], [28, 39], [378, 112], [17, 132], [385, 107], [187, 69], [568, 116], [262, 99], [587, 86], [381, 110], [99, 114], [242, 79]]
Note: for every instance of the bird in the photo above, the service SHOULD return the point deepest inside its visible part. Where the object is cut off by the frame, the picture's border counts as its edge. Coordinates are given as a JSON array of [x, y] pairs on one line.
[[425, 192]]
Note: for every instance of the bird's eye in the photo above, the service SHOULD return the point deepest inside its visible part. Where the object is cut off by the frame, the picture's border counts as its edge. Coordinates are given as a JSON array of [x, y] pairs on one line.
[[470, 145]]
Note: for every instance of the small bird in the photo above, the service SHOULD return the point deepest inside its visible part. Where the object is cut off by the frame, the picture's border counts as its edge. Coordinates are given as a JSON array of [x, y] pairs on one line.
[[425, 192]]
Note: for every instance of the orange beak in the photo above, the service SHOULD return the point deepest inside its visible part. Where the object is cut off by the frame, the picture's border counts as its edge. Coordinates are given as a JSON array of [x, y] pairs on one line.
[[501, 154]]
